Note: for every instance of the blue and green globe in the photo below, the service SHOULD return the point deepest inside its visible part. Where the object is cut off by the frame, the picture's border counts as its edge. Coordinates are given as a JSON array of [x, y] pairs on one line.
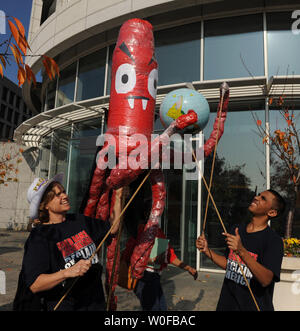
[[179, 102]]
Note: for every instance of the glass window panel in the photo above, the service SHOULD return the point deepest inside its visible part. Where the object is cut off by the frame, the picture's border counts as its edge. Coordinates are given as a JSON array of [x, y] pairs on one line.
[[239, 172], [9, 114], [18, 101], [51, 93], [66, 85], [79, 176], [49, 7], [229, 43], [2, 111], [178, 54], [189, 222], [4, 93], [111, 50], [8, 132], [91, 76], [16, 119], [158, 127], [11, 98], [60, 151], [283, 45], [280, 175], [88, 128], [171, 220], [83, 149], [1, 129], [44, 157]]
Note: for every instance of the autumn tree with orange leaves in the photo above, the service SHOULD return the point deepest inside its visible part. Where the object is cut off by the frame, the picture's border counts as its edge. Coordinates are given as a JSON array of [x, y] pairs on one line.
[[10, 158], [285, 145], [16, 48]]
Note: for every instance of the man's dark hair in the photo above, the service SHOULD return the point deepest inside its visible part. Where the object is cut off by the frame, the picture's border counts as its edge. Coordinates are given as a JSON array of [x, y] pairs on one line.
[[279, 203]]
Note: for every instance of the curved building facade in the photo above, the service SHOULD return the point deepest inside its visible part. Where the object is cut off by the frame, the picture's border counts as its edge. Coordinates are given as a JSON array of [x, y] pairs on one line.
[[254, 46]]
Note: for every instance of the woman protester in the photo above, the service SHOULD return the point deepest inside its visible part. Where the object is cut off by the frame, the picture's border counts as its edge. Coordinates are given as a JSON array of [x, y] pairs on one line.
[[59, 249]]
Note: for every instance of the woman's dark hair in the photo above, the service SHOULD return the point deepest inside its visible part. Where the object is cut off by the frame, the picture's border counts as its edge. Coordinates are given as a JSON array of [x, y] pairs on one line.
[[43, 214]]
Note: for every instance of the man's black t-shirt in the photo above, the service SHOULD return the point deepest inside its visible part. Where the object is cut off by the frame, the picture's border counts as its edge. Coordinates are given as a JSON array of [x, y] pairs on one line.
[[50, 248], [266, 247]]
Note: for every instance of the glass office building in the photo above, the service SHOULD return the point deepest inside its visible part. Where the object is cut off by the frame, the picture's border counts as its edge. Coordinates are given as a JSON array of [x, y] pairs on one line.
[[252, 46]]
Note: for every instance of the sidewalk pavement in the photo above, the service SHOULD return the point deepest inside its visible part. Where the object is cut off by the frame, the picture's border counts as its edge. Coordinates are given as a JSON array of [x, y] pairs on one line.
[[182, 292]]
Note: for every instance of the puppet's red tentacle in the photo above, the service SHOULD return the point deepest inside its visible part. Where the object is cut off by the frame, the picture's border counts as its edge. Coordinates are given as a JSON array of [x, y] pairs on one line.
[[145, 240], [96, 188], [102, 211], [123, 174], [218, 128]]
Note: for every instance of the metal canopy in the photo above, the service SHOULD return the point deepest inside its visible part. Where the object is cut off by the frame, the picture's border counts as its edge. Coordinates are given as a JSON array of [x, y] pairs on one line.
[[242, 91]]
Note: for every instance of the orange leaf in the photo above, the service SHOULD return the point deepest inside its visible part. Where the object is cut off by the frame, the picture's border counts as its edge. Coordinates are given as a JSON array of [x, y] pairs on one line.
[[30, 75], [285, 146], [19, 34], [18, 52], [265, 139], [48, 71], [270, 101], [20, 26], [3, 61], [26, 42], [259, 122], [1, 70], [54, 65], [14, 30], [15, 55], [289, 122], [23, 45], [50, 66], [21, 76]]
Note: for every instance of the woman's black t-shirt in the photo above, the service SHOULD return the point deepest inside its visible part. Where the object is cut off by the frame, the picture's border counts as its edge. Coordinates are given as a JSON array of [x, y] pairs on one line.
[[266, 247], [50, 248]]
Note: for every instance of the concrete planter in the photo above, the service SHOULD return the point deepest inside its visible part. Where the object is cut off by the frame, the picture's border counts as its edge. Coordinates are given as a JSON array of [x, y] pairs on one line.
[[287, 291]]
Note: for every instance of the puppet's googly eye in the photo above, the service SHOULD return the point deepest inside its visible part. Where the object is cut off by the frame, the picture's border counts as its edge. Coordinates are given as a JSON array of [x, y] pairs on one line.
[[152, 83], [125, 78]]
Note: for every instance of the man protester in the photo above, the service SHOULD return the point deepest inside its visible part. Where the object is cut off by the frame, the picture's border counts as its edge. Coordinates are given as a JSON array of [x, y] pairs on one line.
[[258, 249]]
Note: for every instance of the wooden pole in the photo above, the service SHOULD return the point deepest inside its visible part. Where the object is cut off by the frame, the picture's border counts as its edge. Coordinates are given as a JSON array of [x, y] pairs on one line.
[[213, 163]]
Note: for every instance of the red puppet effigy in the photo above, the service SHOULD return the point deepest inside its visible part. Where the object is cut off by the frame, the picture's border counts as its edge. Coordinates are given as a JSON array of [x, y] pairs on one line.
[[131, 111]]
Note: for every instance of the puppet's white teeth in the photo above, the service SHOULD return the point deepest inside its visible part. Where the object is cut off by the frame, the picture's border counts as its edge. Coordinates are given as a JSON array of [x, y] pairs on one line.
[[131, 103], [144, 102]]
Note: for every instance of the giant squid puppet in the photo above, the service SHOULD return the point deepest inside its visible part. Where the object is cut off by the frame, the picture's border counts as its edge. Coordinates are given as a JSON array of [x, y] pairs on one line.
[[134, 77]]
